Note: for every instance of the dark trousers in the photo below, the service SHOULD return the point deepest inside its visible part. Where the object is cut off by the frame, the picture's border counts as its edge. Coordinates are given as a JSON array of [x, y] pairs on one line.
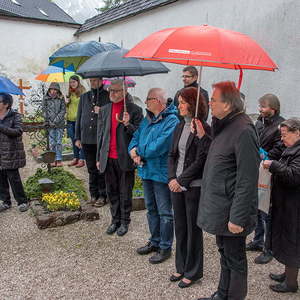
[[262, 236], [11, 178], [234, 269], [119, 185], [96, 180], [78, 153], [189, 238]]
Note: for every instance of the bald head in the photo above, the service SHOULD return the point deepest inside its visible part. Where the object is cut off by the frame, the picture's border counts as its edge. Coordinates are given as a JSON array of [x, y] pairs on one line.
[[156, 100]]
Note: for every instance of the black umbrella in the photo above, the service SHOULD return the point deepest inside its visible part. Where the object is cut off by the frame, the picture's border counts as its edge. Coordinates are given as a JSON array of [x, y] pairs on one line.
[[113, 64]]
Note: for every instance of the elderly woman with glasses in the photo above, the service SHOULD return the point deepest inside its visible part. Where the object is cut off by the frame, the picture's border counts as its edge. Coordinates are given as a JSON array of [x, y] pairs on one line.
[[12, 155], [285, 198]]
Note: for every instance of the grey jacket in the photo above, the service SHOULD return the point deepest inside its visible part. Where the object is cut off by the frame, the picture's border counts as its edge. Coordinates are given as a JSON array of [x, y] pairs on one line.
[[230, 177], [124, 135], [12, 154], [54, 110]]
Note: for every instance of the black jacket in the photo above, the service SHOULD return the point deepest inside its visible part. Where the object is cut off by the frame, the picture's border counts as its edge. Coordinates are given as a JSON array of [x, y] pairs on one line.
[[195, 156], [124, 135], [203, 92], [286, 207], [86, 123], [12, 154], [269, 135], [229, 183]]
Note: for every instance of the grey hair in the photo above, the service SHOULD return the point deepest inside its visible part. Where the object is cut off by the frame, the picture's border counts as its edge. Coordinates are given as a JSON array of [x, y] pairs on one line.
[[161, 95], [292, 124], [119, 82], [272, 101]]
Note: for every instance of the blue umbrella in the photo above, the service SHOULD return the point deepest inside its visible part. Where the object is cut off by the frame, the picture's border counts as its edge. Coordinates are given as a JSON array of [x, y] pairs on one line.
[[77, 53], [7, 86]]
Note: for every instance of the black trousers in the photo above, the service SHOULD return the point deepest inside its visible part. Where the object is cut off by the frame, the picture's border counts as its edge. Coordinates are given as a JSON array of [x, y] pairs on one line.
[[11, 178], [119, 185], [189, 237], [234, 268], [96, 179]]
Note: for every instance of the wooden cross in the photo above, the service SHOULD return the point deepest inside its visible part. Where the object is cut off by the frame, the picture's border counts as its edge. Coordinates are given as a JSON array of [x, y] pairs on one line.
[[21, 97]]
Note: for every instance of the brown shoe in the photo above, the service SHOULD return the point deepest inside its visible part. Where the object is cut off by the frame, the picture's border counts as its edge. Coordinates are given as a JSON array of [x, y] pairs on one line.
[[80, 164], [59, 163], [74, 162]]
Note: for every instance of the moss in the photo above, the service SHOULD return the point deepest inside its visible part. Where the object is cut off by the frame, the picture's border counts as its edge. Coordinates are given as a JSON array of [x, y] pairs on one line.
[[63, 181]]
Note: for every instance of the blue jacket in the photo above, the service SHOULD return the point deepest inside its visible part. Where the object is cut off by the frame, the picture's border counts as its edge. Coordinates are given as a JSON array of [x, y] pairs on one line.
[[152, 140]]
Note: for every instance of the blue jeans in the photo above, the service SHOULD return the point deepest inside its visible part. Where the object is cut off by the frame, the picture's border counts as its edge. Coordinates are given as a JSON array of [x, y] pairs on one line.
[[262, 236], [78, 153], [55, 140], [159, 213]]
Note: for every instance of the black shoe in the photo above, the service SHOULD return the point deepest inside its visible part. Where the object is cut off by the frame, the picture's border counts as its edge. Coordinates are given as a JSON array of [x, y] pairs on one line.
[[112, 228], [184, 285], [122, 230], [174, 278], [215, 296], [277, 277], [283, 288], [160, 256], [263, 258], [252, 246], [100, 202], [147, 249], [4, 206]]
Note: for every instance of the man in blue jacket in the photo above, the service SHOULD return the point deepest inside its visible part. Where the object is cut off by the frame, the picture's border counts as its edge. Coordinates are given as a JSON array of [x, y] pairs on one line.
[[149, 149]]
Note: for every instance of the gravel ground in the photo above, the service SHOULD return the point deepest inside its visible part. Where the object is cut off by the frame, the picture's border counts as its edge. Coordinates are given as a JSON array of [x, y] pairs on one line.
[[80, 261]]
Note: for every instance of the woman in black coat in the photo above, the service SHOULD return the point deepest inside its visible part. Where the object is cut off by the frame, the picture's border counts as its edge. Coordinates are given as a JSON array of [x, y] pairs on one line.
[[186, 161], [285, 197], [12, 155]]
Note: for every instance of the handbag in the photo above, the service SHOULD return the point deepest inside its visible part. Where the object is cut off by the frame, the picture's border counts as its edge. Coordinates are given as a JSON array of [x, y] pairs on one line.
[[264, 189]]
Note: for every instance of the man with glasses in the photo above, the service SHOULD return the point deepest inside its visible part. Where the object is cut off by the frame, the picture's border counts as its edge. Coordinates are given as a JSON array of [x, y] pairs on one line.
[[189, 79], [86, 136], [116, 126], [149, 149]]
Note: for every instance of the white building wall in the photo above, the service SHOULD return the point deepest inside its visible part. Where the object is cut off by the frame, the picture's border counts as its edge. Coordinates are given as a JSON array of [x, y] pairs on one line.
[[274, 24], [25, 48]]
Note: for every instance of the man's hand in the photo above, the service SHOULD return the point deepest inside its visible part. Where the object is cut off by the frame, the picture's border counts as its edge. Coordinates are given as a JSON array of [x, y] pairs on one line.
[[267, 164], [235, 228], [126, 118], [200, 132], [98, 165], [174, 186], [78, 144], [133, 153], [137, 160]]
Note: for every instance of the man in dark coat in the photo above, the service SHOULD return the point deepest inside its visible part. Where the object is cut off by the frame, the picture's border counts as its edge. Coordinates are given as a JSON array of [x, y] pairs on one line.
[[86, 137], [267, 126], [12, 155], [228, 206], [116, 129], [189, 79]]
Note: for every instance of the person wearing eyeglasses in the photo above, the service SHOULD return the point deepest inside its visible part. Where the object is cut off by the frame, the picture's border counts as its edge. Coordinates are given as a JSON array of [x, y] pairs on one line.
[[189, 79], [12, 155], [149, 149], [116, 126]]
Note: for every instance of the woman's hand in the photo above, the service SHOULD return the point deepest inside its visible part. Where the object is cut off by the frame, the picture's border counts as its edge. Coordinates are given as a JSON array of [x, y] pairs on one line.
[[267, 164], [174, 186], [200, 132]]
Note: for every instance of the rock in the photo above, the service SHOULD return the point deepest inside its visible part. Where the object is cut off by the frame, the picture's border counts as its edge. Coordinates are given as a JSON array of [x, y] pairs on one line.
[[44, 221], [138, 203]]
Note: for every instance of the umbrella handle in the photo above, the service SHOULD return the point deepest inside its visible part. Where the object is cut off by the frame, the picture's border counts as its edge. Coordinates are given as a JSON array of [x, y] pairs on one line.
[[198, 92], [240, 78]]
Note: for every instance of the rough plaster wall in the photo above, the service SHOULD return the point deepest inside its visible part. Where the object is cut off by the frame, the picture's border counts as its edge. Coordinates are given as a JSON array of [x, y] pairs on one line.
[[25, 48], [274, 24]]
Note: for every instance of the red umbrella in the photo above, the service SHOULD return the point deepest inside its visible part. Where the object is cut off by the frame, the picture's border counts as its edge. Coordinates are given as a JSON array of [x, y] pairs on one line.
[[204, 46]]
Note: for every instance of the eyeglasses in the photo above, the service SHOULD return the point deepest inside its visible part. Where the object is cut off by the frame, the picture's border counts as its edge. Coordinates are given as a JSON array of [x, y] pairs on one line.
[[149, 99], [115, 91], [187, 76]]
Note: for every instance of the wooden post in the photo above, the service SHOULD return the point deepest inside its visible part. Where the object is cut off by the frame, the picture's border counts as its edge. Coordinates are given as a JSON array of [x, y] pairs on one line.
[[21, 97]]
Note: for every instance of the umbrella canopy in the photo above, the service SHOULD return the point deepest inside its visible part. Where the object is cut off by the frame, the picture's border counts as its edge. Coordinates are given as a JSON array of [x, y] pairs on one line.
[[113, 64], [55, 74], [204, 46], [7, 86], [77, 53], [128, 81]]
